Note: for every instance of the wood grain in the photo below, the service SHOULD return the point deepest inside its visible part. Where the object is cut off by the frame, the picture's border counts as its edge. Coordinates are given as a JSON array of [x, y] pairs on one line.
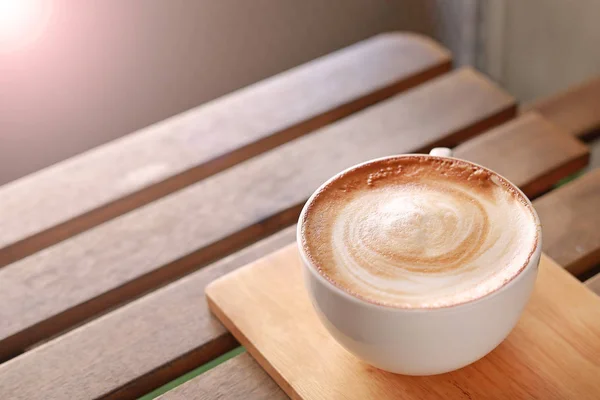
[[570, 219], [136, 348], [531, 152], [576, 110], [127, 256], [72, 196], [553, 353], [239, 378], [594, 284]]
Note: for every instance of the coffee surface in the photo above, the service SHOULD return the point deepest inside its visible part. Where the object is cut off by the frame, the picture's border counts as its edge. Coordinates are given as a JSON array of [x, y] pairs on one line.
[[419, 232]]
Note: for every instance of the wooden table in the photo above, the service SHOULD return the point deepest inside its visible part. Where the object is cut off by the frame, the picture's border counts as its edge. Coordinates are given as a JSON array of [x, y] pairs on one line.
[[104, 257]]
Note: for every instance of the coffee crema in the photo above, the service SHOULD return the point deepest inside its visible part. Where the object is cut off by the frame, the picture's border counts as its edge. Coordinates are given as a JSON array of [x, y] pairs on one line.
[[418, 231]]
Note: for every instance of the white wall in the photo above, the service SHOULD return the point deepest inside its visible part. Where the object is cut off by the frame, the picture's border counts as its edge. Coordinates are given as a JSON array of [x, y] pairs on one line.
[[102, 69], [538, 47]]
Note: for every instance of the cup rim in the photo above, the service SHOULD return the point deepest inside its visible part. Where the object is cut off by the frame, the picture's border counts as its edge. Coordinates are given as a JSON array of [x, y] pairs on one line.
[[532, 260]]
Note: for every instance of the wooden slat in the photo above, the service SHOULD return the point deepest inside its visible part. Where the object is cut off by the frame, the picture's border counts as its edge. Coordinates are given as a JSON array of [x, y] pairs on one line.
[[239, 378], [70, 197], [594, 284], [570, 217], [80, 277], [576, 110], [531, 152], [137, 348]]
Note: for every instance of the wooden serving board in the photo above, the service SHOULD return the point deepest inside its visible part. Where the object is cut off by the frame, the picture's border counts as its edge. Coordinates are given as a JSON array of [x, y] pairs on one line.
[[553, 353]]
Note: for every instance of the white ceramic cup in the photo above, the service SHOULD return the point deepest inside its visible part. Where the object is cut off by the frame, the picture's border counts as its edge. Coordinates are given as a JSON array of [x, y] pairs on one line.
[[420, 341]]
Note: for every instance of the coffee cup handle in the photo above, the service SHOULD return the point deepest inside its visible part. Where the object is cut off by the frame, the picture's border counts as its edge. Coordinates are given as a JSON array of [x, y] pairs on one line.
[[441, 152]]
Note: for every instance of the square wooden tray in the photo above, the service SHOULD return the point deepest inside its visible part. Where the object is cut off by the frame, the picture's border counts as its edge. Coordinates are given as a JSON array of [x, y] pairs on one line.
[[553, 353]]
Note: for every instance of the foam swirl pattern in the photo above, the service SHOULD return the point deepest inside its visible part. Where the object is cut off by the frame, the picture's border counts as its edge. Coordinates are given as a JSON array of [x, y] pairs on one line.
[[415, 234]]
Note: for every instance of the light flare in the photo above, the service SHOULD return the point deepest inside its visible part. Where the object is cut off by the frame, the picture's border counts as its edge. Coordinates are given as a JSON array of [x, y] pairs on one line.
[[22, 22]]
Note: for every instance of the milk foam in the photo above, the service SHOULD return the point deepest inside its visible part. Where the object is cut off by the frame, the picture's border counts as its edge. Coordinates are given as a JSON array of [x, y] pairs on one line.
[[415, 233]]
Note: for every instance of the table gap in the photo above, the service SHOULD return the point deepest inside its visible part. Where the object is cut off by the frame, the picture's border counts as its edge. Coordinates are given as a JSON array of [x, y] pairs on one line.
[[589, 274], [193, 373]]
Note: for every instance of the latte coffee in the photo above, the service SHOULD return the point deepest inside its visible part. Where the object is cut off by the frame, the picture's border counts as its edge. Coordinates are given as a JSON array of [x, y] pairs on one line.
[[418, 231]]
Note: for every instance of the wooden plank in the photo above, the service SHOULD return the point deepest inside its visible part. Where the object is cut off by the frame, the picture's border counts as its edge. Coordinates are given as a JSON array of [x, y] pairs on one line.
[[137, 348], [576, 110], [127, 256], [239, 378], [594, 284], [570, 221], [552, 353], [73, 196], [529, 151]]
